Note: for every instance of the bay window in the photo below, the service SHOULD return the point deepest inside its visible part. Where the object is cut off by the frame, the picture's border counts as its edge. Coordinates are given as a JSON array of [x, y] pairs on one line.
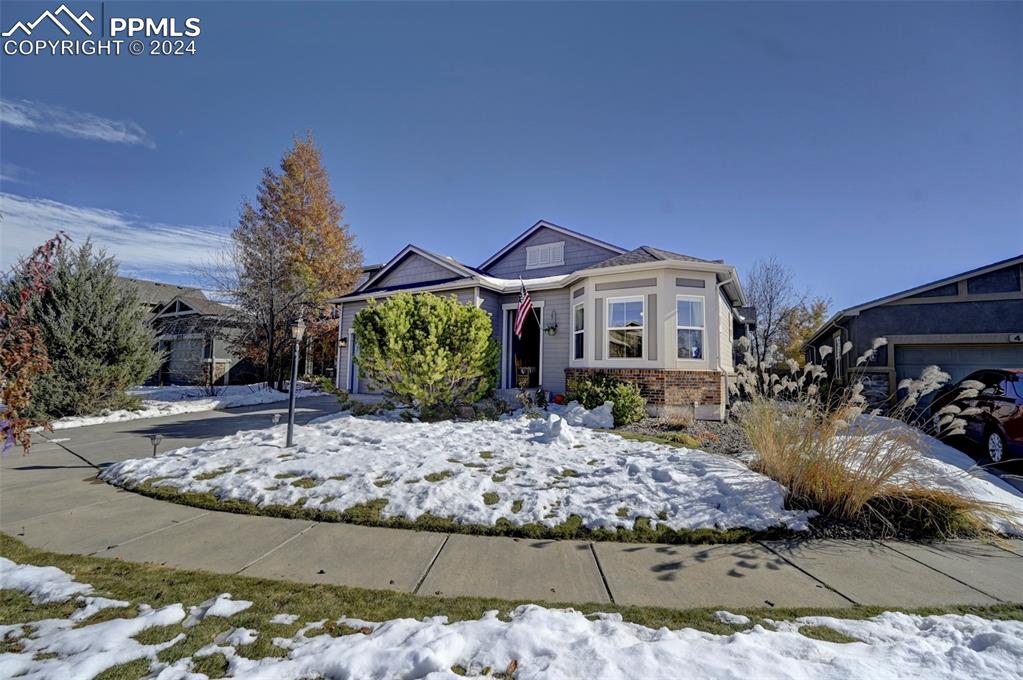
[[689, 322], [625, 328], [578, 331]]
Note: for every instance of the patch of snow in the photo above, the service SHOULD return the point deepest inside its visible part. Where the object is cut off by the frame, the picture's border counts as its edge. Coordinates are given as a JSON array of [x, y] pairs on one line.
[[941, 466], [45, 585], [221, 605], [555, 470], [237, 637], [284, 619], [731, 619], [539, 643], [175, 399]]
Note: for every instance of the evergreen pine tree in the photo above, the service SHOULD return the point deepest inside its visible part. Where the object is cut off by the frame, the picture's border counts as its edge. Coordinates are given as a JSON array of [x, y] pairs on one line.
[[96, 336]]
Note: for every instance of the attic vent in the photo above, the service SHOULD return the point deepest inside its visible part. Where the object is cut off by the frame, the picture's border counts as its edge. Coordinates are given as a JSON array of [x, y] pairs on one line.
[[546, 255]]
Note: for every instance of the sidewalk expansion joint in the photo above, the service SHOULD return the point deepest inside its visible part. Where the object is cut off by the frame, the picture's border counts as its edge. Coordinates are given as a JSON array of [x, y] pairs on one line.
[[429, 567], [276, 548], [174, 523], [932, 568], [603, 577], [836, 591]]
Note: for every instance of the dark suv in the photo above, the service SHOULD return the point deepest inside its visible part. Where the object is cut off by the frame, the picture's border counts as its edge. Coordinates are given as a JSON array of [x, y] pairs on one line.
[[998, 427]]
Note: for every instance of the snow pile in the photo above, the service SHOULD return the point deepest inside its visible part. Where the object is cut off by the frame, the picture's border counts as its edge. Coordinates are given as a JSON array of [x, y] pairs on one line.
[[221, 605], [577, 415], [284, 619], [541, 471], [535, 642], [553, 430], [174, 399]]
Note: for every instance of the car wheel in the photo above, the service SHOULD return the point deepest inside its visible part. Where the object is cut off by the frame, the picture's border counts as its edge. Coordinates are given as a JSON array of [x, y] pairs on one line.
[[995, 445]]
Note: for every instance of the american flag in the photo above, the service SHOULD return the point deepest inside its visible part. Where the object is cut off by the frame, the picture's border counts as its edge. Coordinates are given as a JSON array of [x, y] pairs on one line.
[[525, 306]]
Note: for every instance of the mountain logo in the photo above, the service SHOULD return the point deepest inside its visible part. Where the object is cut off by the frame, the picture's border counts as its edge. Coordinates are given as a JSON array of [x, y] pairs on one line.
[[77, 20]]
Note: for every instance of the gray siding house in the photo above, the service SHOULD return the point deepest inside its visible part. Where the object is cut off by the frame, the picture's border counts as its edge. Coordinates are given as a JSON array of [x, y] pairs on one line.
[[662, 320], [961, 323], [185, 322]]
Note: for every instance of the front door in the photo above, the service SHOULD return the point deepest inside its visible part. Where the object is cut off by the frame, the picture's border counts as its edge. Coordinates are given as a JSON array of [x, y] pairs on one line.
[[522, 368]]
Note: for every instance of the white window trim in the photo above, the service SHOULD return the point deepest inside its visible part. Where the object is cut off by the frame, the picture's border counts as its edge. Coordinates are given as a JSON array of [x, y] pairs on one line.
[[702, 329], [608, 327], [576, 331], [556, 255], [506, 333]]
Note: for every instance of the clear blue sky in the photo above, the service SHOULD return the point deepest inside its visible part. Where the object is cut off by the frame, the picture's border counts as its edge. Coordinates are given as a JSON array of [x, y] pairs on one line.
[[871, 146]]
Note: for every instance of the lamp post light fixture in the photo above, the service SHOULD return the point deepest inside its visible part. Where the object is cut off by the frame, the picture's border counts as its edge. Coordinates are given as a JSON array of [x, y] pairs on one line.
[[155, 438], [297, 331]]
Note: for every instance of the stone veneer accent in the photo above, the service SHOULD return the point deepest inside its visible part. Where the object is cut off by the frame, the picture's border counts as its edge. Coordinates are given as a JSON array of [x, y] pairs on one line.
[[667, 389]]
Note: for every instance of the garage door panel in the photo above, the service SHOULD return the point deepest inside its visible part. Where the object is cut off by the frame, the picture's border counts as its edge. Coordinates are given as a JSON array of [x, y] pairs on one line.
[[959, 361]]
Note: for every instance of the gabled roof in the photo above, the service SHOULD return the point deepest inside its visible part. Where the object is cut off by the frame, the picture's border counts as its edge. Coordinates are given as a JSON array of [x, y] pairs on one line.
[[647, 254], [910, 292], [544, 224], [154, 292], [450, 263], [198, 302]]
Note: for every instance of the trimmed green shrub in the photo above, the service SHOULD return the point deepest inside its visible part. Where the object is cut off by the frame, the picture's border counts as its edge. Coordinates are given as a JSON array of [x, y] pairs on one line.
[[629, 404], [96, 336], [426, 351]]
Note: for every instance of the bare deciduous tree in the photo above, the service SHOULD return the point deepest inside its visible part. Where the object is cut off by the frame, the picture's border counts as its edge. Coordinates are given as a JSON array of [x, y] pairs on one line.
[[770, 289]]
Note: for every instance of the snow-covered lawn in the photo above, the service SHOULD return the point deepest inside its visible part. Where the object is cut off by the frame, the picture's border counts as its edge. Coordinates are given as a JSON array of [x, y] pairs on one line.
[[522, 469], [172, 399], [535, 642]]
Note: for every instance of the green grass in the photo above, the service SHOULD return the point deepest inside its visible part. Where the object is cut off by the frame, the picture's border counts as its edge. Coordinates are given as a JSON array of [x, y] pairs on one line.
[[438, 476], [826, 633], [305, 482], [486, 455], [213, 474], [679, 440], [369, 514], [285, 475], [491, 498], [382, 482], [340, 478], [158, 585], [517, 506]]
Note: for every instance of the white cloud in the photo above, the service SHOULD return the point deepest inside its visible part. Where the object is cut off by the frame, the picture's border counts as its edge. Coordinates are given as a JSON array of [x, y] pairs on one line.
[[36, 117], [142, 248]]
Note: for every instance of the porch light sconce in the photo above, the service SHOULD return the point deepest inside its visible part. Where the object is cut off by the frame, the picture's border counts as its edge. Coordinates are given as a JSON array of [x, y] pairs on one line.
[[342, 342], [552, 327]]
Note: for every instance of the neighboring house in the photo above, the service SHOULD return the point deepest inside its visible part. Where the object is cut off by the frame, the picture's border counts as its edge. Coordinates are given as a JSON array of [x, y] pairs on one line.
[[659, 319], [961, 323], [189, 333]]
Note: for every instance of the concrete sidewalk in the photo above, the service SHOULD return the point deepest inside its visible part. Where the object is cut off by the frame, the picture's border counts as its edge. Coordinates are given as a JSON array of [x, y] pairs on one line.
[[51, 500]]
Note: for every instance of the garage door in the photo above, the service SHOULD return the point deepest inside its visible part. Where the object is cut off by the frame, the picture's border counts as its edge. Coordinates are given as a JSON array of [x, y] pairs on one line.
[[959, 361]]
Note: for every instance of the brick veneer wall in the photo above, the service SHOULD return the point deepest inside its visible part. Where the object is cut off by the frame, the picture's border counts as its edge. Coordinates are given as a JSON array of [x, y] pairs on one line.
[[663, 386]]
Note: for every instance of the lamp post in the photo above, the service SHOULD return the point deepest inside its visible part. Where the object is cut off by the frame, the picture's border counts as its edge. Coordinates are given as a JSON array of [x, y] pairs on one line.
[[297, 331]]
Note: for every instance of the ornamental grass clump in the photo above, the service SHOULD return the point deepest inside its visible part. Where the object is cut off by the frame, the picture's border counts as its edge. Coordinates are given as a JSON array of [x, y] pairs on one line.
[[818, 441]]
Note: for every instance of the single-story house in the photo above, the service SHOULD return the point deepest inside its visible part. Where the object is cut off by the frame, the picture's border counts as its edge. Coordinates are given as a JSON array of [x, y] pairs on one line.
[[662, 320], [189, 334], [962, 323]]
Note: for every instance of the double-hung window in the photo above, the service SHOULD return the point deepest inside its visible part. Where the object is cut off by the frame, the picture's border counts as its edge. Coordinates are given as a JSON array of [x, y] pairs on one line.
[[578, 332], [625, 328], [689, 322]]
